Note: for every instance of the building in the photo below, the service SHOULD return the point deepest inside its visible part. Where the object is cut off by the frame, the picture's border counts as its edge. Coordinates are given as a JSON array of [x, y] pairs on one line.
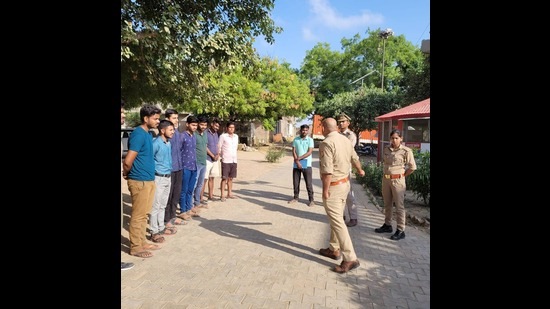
[[414, 123]]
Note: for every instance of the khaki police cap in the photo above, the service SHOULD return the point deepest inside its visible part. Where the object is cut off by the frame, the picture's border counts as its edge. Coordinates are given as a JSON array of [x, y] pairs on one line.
[[343, 117]]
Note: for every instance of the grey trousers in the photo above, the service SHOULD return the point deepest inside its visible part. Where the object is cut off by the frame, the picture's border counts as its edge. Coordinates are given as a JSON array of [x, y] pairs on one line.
[[351, 209]]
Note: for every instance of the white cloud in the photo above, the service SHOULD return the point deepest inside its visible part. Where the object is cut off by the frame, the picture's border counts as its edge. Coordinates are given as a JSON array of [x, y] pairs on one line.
[[326, 15], [308, 35]]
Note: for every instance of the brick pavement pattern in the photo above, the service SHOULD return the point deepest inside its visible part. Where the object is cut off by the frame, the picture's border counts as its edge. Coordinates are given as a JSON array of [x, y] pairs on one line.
[[260, 252]]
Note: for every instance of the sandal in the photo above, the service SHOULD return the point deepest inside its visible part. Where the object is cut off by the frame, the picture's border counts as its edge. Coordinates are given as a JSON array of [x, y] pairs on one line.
[[169, 231], [157, 238], [223, 199], [174, 222], [151, 247], [143, 254], [233, 197], [184, 216]]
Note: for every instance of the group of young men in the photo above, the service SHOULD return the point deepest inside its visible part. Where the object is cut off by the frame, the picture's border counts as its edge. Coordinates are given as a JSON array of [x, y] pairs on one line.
[[171, 169]]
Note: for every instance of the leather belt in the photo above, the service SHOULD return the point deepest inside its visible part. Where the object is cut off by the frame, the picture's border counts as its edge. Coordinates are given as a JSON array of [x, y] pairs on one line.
[[334, 183], [162, 175], [394, 176]]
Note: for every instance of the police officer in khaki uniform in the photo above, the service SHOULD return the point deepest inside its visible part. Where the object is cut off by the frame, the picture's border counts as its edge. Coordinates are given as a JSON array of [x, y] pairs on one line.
[[398, 163], [350, 212], [336, 156]]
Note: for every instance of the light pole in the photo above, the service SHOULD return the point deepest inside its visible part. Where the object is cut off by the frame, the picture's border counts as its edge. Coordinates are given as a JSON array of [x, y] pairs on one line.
[[384, 34], [362, 77]]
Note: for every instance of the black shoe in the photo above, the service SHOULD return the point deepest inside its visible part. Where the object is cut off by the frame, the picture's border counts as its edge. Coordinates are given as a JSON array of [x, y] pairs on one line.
[[352, 222], [384, 229], [398, 235], [126, 266]]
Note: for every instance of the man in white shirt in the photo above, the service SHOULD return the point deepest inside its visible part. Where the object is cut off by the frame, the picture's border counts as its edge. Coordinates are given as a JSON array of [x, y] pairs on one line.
[[227, 146]]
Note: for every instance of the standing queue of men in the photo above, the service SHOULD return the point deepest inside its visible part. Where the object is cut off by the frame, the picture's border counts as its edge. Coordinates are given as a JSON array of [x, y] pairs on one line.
[[171, 170]]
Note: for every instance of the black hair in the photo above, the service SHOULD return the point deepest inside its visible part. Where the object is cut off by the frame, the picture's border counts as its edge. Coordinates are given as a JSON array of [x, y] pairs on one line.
[[203, 119], [164, 123], [148, 110], [192, 119], [122, 103], [215, 120], [395, 131], [230, 123], [169, 112], [304, 126]]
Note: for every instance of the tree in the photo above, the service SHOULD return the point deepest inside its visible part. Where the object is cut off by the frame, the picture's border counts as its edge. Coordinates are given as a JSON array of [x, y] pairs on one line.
[[168, 46], [331, 72], [265, 91], [416, 82], [323, 67], [362, 105]]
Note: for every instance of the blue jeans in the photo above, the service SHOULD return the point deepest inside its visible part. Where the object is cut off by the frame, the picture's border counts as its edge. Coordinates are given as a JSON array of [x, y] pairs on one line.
[[188, 181], [201, 170]]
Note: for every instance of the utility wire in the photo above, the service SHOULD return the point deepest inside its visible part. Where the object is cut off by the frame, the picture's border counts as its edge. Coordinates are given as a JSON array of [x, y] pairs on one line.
[[422, 34]]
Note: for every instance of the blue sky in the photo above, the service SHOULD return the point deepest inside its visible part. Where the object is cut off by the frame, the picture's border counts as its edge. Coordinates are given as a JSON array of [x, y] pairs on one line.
[[308, 22]]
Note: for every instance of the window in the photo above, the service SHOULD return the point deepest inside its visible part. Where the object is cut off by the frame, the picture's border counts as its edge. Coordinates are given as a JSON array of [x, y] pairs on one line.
[[386, 131], [416, 131]]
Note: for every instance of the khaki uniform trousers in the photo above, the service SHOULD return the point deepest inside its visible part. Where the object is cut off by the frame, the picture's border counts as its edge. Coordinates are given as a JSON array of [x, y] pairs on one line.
[[339, 234], [143, 194], [393, 192]]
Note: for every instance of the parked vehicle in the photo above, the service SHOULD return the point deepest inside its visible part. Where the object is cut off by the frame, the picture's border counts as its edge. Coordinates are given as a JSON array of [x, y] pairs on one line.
[[125, 134], [365, 149]]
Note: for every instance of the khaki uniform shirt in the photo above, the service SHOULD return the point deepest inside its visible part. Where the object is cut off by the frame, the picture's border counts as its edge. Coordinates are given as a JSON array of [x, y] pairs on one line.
[[351, 136], [335, 155], [395, 160]]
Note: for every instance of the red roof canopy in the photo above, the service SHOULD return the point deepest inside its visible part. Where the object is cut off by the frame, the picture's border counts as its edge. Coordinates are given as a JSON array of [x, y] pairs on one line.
[[417, 110]]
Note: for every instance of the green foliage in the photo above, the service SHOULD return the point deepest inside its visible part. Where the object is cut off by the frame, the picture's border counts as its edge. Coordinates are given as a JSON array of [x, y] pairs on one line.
[[331, 72], [132, 120], [325, 70], [373, 177], [362, 106], [275, 153], [416, 82], [265, 91], [419, 181], [168, 46]]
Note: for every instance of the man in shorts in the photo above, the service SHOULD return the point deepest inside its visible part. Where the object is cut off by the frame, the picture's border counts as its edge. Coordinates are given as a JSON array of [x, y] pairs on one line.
[[228, 145], [212, 158]]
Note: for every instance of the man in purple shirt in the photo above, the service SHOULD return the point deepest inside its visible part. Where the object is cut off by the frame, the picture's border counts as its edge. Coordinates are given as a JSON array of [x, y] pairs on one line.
[[188, 156], [170, 218]]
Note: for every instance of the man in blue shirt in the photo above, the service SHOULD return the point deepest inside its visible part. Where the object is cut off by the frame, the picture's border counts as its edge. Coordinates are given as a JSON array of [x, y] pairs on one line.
[[162, 152], [189, 162], [302, 148], [139, 171]]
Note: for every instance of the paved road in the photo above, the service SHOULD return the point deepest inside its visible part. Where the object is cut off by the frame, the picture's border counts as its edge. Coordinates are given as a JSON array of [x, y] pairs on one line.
[[260, 252]]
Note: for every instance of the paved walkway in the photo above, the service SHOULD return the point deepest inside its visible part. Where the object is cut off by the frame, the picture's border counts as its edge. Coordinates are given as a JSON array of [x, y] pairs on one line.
[[260, 252]]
